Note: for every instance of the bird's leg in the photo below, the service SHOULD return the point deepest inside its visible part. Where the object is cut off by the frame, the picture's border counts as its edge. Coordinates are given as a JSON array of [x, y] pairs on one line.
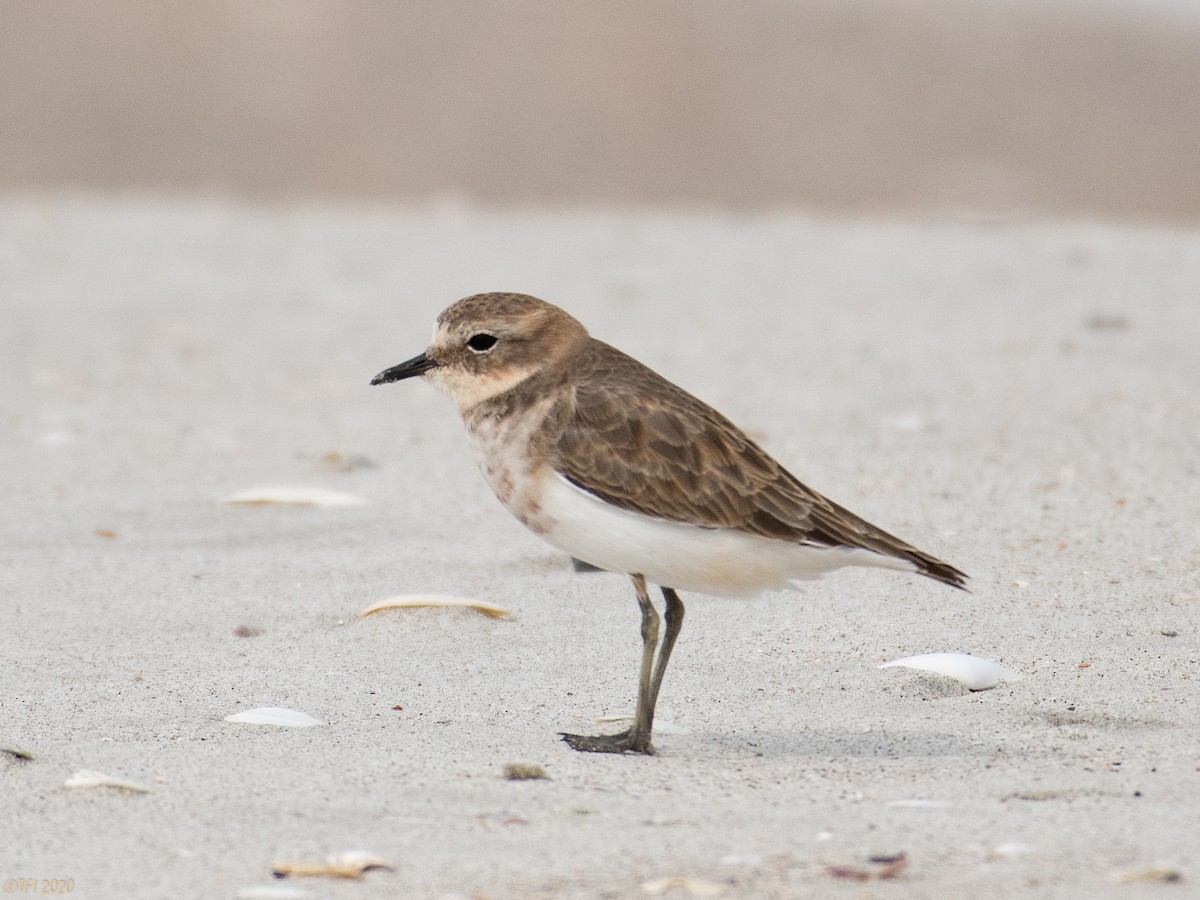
[[635, 739], [674, 618], [643, 717]]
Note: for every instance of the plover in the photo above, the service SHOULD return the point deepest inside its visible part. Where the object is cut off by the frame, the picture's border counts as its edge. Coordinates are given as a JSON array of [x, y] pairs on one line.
[[607, 460]]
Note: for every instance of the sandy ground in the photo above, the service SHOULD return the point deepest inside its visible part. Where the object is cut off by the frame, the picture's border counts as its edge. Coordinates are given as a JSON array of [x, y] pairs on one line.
[[1020, 399]]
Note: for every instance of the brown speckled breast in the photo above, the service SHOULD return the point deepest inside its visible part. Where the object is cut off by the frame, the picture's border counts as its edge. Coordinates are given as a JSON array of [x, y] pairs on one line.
[[505, 446]]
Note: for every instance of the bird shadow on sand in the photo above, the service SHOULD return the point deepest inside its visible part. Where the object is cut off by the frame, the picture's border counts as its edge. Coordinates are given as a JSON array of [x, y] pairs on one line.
[[826, 743]]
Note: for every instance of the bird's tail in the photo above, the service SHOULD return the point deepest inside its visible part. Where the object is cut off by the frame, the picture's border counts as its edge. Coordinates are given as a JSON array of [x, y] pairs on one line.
[[934, 568]]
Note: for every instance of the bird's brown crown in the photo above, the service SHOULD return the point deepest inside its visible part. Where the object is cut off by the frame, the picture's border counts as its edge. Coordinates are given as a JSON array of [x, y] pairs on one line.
[[487, 344]]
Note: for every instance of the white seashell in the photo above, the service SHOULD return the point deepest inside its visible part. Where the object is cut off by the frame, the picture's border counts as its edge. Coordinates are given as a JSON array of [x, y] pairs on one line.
[[271, 892], [1011, 848], [749, 860], [275, 715], [1161, 872], [418, 601], [89, 778], [291, 496], [349, 864], [661, 726], [974, 673], [917, 803], [693, 886], [359, 860]]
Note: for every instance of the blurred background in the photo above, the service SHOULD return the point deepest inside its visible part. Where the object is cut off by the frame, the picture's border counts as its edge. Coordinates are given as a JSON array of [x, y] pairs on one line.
[[1057, 108]]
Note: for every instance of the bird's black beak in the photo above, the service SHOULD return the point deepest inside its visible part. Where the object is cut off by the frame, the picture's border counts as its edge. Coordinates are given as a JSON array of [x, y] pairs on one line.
[[418, 365]]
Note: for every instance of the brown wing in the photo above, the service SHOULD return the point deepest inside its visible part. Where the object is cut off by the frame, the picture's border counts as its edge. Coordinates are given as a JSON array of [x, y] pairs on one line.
[[639, 442]]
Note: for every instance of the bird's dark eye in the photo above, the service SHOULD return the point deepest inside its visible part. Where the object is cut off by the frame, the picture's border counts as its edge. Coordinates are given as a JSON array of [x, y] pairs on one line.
[[481, 343]]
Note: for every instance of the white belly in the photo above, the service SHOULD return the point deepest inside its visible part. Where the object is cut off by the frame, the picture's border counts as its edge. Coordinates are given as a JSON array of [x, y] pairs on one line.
[[686, 557]]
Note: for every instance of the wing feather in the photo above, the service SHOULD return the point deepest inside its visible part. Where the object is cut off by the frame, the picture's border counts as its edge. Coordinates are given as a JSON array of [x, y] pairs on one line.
[[635, 440]]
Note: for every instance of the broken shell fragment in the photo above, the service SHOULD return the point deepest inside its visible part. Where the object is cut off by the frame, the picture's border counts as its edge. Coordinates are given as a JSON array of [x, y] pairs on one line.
[[89, 778], [350, 864], [883, 868], [1167, 874], [275, 715], [419, 601], [972, 672], [694, 886], [291, 496], [1009, 850], [270, 892]]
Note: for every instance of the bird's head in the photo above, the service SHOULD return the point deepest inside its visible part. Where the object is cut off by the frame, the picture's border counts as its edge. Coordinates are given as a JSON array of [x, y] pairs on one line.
[[487, 344]]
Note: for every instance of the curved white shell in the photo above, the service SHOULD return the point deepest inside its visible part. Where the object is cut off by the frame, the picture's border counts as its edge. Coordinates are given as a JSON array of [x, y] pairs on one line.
[[416, 601], [349, 864], [291, 496], [918, 803], [694, 886], [360, 861], [90, 778], [271, 892], [275, 715], [974, 673]]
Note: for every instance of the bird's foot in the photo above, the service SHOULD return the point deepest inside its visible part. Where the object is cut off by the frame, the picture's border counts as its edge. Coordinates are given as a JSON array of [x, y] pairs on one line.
[[629, 741]]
